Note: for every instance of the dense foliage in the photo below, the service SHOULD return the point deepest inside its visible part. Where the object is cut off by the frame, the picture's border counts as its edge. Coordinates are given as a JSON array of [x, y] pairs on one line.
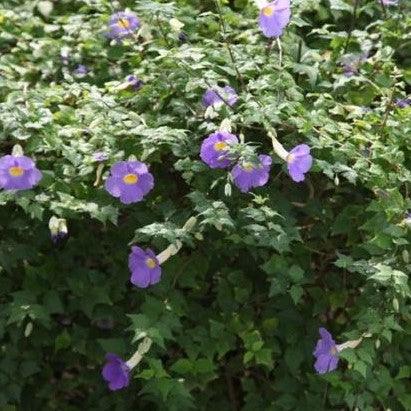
[[234, 319]]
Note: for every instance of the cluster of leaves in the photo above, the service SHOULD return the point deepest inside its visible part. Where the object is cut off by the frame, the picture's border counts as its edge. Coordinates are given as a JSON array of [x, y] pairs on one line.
[[235, 317]]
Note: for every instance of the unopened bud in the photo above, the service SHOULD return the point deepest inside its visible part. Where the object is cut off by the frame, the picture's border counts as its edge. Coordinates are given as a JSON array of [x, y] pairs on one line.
[[58, 228], [17, 150], [28, 330], [336, 181], [227, 189], [226, 125]]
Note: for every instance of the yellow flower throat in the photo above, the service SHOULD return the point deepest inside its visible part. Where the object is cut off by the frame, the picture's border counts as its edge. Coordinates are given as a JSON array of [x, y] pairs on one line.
[[16, 171], [123, 23], [130, 179]]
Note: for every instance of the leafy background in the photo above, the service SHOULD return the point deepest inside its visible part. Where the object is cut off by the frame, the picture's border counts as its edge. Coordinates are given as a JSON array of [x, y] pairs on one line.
[[236, 315]]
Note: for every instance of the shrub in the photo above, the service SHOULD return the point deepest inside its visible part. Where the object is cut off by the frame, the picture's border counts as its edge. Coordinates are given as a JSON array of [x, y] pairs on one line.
[[293, 219]]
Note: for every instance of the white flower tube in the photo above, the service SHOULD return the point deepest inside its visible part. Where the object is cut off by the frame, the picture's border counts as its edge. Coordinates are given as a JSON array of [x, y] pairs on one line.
[[173, 249], [142, 349], [352, 343]]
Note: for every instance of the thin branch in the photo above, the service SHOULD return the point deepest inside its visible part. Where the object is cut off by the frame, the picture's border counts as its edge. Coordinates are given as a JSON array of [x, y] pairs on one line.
[[354, 20], [163, 33], [342, 145], [384, 9], [325, 394], [231, 392], [299, 51], [228, 45], [209, 85], [387, 111]]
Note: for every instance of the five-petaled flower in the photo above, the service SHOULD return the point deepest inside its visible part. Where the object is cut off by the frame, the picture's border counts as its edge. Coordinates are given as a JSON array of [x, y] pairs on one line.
[[299, 161], [18, 173], [81, 70], [144, 266], [247, 175], [352, 62], [403, 102], [350, 70], [100, 156], [274, 17], [130, 181], [122, 24], [116, 372], [326, 353], [215, 149], [134, 82], [220, 95]]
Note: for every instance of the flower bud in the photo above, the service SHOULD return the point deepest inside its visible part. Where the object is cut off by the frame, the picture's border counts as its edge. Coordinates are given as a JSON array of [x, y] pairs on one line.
[[58, 229]]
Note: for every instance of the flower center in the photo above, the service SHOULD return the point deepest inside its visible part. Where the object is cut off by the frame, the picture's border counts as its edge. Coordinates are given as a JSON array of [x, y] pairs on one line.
[[123, 23], [220, 146], [290, 158], [150, 263], [333, 351], [248, 167], [16, 171], [130, 179], [268, 11]]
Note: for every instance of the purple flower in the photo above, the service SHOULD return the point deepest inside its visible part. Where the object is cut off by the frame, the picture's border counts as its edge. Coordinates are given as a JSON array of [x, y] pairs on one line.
[[134, 82], [299, 161], [326, 353], [407, 220], [81, 70], [182, 37], [18, 173], [274, 17], [58, 238], [122, 25], [351, 63], [144, 266], [403, 102], [130, 181], [100, 156], [248, 175], [116, 372], [215, 149], [350, 70], [217, 96]]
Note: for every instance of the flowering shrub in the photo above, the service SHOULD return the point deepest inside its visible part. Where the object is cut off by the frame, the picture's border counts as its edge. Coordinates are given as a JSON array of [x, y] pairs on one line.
[[205, 205]]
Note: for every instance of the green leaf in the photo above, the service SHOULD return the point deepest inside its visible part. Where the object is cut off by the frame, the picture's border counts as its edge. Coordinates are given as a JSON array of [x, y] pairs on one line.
[[62, 341], [296, 293], [361, 367]]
